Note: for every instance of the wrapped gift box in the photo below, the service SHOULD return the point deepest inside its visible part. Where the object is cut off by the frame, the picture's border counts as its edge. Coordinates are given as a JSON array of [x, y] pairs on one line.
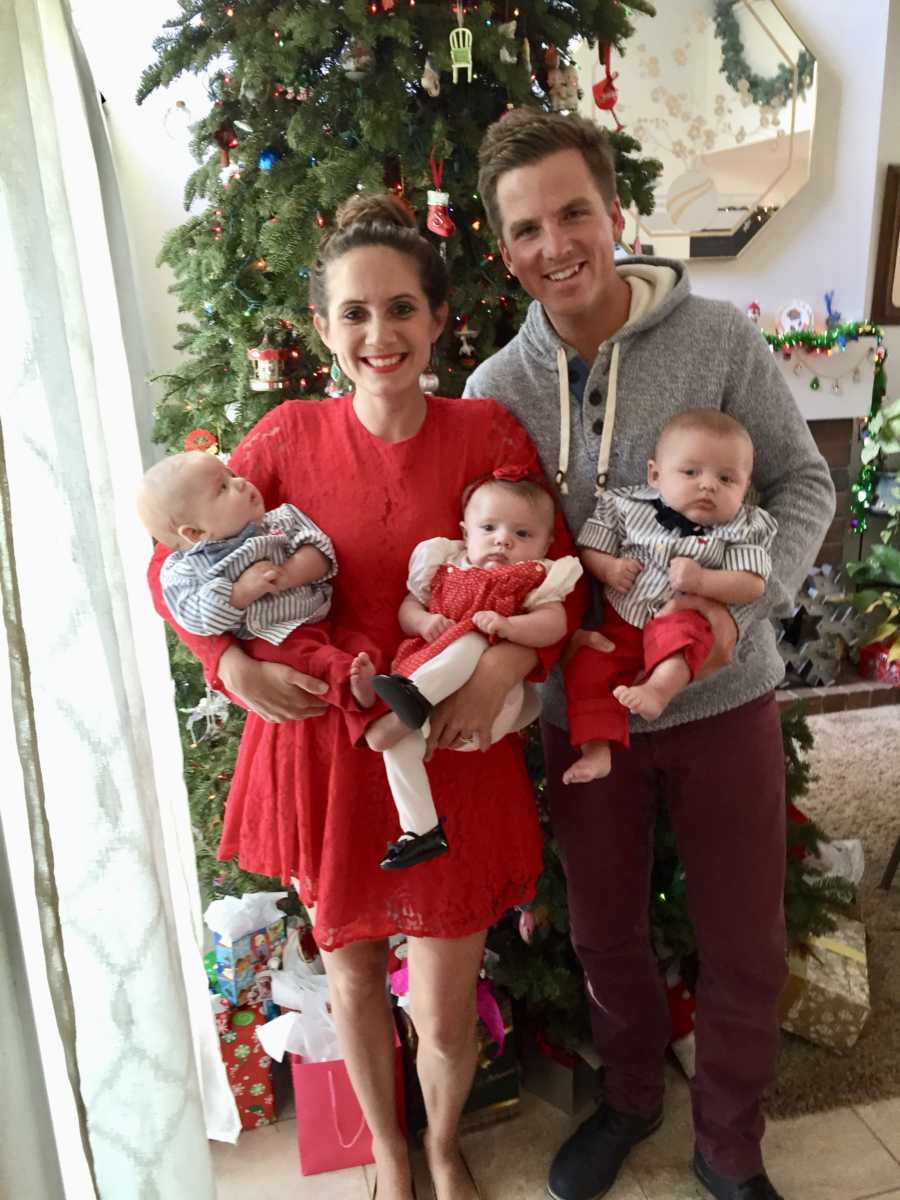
[[495, 1089], [238, 962], [248, 1066], [826, 998]]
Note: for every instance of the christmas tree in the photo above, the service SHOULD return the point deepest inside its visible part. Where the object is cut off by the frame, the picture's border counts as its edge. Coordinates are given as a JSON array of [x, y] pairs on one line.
[[308, 103], [312, 101]]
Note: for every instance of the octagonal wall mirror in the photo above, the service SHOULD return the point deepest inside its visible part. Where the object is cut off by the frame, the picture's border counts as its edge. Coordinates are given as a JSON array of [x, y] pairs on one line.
[[723, 93]]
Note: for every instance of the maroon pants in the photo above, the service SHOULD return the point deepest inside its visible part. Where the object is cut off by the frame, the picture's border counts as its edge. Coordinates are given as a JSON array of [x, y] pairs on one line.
[[722, 780], [591, 677]]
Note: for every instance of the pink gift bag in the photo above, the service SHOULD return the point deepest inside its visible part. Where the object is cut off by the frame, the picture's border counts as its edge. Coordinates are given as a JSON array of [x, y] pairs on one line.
[[331, 1130]]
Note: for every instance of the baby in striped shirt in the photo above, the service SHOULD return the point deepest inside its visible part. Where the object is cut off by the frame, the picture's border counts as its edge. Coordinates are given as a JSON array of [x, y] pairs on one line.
[[235, 568], [687, 531]]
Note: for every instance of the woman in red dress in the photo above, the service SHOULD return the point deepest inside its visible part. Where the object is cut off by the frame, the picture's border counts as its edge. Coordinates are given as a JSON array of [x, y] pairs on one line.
[[309, 801]]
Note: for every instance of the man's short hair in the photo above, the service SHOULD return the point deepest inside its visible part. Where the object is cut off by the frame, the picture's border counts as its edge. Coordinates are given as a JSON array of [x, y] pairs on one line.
[[525, 136]]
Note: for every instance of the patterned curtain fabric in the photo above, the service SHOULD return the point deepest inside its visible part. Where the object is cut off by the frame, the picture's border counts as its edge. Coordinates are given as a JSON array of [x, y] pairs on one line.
[[98, 765]]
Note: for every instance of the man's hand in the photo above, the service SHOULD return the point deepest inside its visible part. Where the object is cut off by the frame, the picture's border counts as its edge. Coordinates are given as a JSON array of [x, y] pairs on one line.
[[274, 691], [491, 623], [258, 580], [433, 626], [723, 627], [585, 637], [621, 574], [685, 574]]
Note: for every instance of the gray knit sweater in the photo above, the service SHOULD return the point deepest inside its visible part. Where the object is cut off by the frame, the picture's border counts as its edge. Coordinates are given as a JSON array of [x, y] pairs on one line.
[[686, 352]]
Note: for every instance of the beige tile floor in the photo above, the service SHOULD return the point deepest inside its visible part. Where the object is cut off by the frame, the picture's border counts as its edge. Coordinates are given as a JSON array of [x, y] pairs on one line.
[[848, 1154]]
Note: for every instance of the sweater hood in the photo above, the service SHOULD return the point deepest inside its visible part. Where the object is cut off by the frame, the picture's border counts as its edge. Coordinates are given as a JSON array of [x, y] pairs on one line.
[[661, 283]]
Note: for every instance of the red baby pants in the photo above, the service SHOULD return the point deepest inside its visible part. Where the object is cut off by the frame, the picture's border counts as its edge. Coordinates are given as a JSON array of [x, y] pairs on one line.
[[591, 676]]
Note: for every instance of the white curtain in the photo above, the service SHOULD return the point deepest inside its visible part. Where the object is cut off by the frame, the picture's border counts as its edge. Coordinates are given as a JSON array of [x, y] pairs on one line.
[[93, 807]]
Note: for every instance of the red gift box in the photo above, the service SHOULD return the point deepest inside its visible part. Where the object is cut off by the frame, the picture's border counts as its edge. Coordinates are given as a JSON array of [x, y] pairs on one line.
[[331, 1130], [248, 1066]]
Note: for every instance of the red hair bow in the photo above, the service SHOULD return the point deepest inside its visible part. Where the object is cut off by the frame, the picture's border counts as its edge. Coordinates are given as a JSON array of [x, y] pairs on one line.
[[511, 473]]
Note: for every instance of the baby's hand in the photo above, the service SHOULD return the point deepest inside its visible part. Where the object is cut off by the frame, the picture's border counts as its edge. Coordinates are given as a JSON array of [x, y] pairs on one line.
[[490, 623], [258, 580], [622, 573], [434, 625], [685, 574]]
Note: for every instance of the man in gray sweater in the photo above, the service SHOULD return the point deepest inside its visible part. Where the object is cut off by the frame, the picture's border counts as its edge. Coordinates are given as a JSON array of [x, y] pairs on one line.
[[619, 349]]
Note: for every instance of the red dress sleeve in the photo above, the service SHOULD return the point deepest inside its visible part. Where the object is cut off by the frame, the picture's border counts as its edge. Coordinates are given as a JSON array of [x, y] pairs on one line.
[[254, 458], [515, 448]]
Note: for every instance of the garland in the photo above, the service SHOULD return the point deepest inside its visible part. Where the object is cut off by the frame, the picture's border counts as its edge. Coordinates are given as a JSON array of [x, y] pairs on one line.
[[776, 90], [829, 341]]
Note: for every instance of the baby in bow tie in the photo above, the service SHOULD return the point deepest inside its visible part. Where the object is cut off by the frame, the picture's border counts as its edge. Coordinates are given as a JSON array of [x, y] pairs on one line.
[[688, 530]]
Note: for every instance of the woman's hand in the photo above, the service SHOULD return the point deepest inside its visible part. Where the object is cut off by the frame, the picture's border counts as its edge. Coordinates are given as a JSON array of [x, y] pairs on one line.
[[472, 711], [274, 691], [723, 628]]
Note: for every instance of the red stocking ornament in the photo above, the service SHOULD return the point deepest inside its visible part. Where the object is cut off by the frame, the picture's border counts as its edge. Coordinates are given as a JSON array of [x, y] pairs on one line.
[[605, 95], [438, 218]]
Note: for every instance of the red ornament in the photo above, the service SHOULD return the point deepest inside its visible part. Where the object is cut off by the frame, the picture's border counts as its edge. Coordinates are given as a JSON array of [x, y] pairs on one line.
[[226, 139], [201, 439], [605, 95], [438, 218]]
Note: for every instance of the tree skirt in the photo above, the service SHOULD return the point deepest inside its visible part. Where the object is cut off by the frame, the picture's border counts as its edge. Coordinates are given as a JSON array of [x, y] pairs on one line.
[[856, 758]]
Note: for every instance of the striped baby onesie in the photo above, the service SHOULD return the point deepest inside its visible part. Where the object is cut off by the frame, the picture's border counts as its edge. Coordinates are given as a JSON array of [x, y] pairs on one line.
[[624, 523], [197, 583]]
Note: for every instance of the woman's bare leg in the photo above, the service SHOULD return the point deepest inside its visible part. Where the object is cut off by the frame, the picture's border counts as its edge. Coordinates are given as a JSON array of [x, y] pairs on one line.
[[365, 1027], [443, 973]]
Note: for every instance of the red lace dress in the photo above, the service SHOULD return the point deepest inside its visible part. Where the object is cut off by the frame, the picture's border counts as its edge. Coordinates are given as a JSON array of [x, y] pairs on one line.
[[307, 800]]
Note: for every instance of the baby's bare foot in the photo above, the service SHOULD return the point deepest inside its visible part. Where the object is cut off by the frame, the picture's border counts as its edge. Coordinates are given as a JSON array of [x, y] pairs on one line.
[[645, 700], [387, 731], [362, 672], [595, 763]]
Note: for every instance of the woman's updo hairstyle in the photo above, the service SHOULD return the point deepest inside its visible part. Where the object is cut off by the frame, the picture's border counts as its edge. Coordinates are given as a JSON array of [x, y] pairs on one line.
[[378, 219]]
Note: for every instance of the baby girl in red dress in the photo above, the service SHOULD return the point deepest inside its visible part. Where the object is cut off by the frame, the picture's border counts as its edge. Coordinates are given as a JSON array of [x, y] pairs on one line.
[[495, 583]]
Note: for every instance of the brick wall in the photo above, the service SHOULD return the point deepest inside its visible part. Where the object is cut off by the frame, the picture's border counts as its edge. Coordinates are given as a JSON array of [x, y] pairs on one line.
[[835, 441]]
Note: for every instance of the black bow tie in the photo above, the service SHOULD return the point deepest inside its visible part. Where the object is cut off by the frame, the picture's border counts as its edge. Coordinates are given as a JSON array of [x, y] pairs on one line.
[[670, 519]]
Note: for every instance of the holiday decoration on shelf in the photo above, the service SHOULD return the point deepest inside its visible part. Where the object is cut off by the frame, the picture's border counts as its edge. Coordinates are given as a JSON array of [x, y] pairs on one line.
[[832, 316], [753, 311], [794, 317], [604, 91], [461, 46], [226, 139]]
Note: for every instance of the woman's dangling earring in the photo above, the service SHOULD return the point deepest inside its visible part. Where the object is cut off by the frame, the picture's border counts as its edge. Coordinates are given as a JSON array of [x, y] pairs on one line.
[[336, 377], [428, 380]]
